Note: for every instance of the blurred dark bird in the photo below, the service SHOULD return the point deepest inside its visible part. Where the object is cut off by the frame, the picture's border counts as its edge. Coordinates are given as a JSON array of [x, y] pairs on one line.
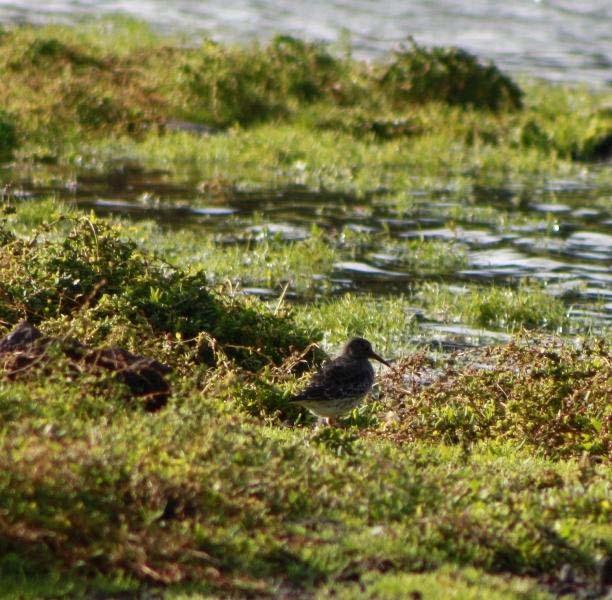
[[342, 383]]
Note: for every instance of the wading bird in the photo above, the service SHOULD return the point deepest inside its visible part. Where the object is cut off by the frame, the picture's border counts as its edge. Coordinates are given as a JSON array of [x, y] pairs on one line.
[[342, 383]]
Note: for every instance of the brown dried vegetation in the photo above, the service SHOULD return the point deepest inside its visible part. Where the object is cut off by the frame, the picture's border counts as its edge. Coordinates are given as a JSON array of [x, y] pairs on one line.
[[541, 393]]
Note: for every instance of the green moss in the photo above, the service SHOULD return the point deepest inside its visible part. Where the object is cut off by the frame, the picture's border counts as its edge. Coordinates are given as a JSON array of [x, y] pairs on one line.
[[528, 306], [218, 489], [92, 275], [444, 584], [193, 495], [387, 322], [23, 584], [470, 484]]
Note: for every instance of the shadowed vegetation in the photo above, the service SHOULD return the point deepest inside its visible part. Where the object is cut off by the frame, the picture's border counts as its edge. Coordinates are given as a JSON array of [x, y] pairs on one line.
[[449, 75], [8, 136]]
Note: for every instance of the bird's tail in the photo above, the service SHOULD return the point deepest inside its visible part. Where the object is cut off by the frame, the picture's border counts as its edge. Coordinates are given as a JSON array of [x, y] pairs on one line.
[[295, 399]]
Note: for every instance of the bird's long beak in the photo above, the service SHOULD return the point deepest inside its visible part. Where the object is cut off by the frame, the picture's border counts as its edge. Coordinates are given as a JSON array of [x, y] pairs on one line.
[[380, 359]]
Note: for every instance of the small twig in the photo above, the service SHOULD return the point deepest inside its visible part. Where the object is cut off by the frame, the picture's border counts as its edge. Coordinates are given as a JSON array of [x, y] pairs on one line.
[[501, 389]]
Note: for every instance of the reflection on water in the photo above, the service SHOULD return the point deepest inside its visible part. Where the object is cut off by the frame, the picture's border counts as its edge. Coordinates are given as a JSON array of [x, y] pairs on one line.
[[555, 39], [557, 234]]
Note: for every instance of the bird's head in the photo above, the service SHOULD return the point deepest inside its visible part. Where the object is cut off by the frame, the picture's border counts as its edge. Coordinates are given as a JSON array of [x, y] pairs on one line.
[[361, 348]]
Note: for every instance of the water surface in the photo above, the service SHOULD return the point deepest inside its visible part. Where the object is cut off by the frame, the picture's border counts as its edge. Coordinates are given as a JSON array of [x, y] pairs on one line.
[[558, 234], [561, 40]]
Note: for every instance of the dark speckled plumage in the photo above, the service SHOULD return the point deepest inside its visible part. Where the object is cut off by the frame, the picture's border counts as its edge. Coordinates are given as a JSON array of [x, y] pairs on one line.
[[342, 383]]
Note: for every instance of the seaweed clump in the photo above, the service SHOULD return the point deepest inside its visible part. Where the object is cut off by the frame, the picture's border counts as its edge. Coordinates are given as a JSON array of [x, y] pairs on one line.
[[26, 348]]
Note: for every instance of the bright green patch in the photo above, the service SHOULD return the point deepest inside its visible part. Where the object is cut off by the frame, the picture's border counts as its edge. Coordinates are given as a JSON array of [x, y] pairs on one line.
[[445, 584], [423, 257], [387, 322], [259, 258], [528, 306]]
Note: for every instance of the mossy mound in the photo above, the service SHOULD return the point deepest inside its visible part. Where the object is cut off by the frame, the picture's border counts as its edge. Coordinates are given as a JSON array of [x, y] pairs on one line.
[[68, 88], [546, 395], [199, 494], [227, 85], [64, 83], [79, 276], [450, 75]]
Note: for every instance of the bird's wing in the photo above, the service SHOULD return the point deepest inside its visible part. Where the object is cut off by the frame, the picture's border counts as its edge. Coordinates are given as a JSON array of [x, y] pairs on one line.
[[337, 379]]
